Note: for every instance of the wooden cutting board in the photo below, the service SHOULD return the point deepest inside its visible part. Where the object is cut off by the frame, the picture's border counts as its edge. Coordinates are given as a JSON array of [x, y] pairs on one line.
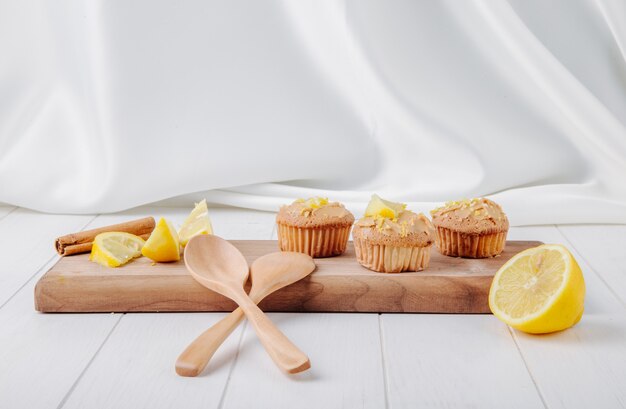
[[449, 285]]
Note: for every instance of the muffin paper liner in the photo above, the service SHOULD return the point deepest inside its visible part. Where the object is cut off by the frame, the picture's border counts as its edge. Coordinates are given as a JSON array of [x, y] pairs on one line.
[[316, 242], [455, 244], [391, 259]]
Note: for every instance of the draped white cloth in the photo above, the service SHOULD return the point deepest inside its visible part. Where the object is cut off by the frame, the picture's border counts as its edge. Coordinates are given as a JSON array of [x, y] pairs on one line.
[[106, 105]]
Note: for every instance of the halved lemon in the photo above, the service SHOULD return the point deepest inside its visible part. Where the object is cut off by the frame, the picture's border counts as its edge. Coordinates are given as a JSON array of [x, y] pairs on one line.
[[163, 244], [539, 290], [112, 249], [379, 207], [198, 222]]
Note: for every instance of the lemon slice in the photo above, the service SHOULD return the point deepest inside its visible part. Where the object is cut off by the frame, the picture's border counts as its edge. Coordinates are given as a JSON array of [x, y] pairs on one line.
[[162, 245], [112, 249], [198, 222], [539, 290], [379, 207]]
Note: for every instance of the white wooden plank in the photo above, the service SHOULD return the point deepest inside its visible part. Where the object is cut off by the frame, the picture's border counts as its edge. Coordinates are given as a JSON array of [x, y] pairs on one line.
[[440, 361], [603, 247], [229, 223], [43, 354], [135, 368], [584, 366], [175, 214], [5, 210], [346, 369], [27, 242], [242, 224]]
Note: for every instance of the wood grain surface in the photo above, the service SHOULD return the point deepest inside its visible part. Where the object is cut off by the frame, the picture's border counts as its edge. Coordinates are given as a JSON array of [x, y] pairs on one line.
[[339, 284]]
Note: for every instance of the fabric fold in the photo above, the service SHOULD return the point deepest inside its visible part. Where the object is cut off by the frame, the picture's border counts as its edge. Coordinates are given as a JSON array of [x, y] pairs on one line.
[[109, 106]]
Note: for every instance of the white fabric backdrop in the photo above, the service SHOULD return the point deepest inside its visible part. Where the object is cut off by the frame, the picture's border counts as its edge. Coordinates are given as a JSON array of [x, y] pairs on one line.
[[106, 105]]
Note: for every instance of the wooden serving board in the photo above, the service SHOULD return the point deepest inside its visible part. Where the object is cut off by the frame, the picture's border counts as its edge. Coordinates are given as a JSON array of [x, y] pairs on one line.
[[449, 285]]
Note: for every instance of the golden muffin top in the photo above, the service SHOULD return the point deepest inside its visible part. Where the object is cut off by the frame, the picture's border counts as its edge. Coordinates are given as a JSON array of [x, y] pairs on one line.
[[390, 223], [471, 216], [314, 212]]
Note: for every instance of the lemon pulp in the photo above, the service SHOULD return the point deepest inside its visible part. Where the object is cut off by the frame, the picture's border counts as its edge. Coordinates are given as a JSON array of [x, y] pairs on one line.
[[163, 244], [198, 222], [113, 249]]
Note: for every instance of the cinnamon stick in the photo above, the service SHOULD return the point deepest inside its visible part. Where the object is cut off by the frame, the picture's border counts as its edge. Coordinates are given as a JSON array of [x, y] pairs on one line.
[[81, 242]]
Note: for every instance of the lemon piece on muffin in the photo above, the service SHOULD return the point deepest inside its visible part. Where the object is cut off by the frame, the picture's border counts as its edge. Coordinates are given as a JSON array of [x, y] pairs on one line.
[[198, 222], [113, 249], [379, 207], [539, 290], [163, 244]]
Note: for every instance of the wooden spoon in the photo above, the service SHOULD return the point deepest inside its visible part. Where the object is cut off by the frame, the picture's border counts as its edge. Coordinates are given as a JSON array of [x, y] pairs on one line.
[[220, 266], [268, 273]]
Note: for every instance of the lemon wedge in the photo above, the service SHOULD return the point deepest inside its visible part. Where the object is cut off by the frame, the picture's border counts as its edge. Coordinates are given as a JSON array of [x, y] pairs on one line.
[[379, 207], [539, 290], [198, 222], [162, 245], [112, 249]]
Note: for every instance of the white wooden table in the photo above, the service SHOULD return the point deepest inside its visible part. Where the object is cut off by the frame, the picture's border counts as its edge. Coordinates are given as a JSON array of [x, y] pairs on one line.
[[359, 360]]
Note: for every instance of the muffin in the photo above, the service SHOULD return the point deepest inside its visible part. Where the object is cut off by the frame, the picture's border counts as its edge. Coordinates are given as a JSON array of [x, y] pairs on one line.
[[392, 239], [473, 228], [315, 227]]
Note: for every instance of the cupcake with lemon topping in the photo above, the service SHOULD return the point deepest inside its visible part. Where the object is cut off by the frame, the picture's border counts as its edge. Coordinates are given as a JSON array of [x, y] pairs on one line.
[[475, 228], [314, 226], [392, 239]]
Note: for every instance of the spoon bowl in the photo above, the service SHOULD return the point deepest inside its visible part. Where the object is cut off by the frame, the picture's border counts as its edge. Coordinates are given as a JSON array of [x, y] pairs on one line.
[[274, 271], [216, 263]]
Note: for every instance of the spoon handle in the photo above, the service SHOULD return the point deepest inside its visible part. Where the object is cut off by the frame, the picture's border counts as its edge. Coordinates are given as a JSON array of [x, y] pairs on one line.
[[283, 352], [197, 355]]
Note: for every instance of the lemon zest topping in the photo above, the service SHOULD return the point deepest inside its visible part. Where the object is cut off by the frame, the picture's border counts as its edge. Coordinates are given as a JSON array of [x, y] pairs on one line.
[[311, 204]]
